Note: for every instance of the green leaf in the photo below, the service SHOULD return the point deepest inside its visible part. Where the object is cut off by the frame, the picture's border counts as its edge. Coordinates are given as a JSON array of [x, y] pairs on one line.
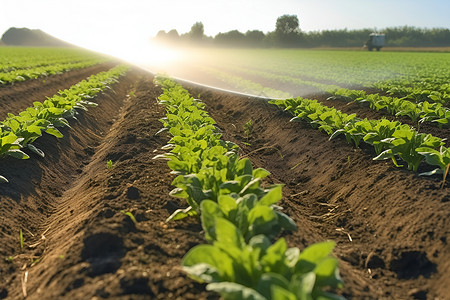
[[326, 272], [212, 256], [285, 221], [280, 293], [260, 173], [36, 150], [210, 211], [227, 204], [16, 153], [312, 255], [234, 291], [261, 219], [273, 196], [244, 167], [303, 285], [228, 234], [181, 214], [267, 281], [384, 155], [53, 131], [203, 272]]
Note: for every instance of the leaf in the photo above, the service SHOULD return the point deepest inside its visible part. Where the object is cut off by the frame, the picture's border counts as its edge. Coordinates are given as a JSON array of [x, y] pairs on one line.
[[312, 255], [273, 196], [268, 281], [326, 272], [433, 172], [181, 214], [274, 258], [280, 293], [244, 167], [227, 204], [53, 131], [36, 150], [261, 219], [213, 256], [210, 211], [16, 153], [203, 272], [260, 173], [228, 234], [286, 222], [3, 179], [303, 285], [384, 155], [234, 291]]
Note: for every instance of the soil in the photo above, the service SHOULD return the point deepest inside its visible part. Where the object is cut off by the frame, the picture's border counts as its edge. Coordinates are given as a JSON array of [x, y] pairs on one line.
[[392, 227]]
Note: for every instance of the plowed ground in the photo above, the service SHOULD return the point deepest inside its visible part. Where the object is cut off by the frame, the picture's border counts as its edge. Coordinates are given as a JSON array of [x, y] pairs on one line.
[[391, 226]]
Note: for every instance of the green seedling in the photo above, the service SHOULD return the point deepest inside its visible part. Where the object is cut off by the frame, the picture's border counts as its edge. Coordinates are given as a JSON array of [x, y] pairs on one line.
[[109, 164], [248, 129], [129, 214], [21, 238]]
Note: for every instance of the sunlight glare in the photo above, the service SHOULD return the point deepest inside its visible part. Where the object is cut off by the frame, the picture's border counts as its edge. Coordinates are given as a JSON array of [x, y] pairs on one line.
[[148, 54]]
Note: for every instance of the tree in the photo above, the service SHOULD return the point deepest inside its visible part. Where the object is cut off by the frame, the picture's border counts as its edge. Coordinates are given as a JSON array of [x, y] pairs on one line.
[[173, 34], [231, 38], [287, 30], [197, 31], [254, 38]]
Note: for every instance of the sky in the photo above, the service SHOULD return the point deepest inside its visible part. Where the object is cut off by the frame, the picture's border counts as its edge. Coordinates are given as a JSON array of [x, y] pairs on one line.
[[114, 26]]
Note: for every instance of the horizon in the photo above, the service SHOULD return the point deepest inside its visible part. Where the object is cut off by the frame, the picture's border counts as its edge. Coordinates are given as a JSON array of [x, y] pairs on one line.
[[121, 29]]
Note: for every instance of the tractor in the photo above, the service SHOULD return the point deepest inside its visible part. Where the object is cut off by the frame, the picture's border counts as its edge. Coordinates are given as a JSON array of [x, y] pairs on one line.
[[375, 41]]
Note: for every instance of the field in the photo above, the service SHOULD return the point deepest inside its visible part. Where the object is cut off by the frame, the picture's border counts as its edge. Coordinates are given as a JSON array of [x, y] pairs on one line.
[[87, 220]]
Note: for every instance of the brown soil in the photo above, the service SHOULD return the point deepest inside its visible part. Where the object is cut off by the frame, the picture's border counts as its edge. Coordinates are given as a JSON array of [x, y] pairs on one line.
[[391, 226]]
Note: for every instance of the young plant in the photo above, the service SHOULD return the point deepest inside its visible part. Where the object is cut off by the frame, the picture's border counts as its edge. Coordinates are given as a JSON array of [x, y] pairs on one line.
[[248, 129], [21, 238], [261, 270], [439, 158], [109, 164], [130, 215]]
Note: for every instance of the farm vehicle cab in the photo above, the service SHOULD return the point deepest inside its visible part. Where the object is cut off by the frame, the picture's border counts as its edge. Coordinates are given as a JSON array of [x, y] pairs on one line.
[[375, 41]]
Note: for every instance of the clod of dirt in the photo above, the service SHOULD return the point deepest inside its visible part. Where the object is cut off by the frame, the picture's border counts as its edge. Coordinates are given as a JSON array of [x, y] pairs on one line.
[[374, 261], [137, 285], [3, 293], [132, 193], [418, 294], [103, 251], [411, 264]]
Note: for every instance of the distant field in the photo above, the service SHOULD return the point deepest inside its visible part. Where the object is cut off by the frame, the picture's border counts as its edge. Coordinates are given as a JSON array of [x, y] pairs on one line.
[[275, 72]]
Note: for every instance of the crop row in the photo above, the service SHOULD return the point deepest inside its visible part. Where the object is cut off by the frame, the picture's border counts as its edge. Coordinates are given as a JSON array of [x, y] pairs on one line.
[[33, 73], [420, 87], [432, 110], [239, 216], [19, 132], [418, 112], [390, 139], [16, 58]]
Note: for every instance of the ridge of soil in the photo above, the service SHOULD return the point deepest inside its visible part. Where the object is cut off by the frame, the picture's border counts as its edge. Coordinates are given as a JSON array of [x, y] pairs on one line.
[[18, 96], [391, 226]]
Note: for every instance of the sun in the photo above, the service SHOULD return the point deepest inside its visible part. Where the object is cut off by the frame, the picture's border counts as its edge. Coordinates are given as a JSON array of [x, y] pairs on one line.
[[147, 54]]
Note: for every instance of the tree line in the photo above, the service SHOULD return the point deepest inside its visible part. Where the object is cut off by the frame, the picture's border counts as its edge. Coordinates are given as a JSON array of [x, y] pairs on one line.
[[287, 34]]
